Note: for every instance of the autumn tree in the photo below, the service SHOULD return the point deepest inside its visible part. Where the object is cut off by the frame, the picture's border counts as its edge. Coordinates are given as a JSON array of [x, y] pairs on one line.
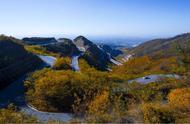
[[180, 99], [62, 63]]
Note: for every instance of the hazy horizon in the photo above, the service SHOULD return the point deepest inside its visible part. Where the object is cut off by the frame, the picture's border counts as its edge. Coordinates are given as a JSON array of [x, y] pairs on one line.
[[120, 40], [147, 19]]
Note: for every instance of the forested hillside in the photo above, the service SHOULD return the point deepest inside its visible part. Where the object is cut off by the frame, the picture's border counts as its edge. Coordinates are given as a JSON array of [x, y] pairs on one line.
[[163, 47]]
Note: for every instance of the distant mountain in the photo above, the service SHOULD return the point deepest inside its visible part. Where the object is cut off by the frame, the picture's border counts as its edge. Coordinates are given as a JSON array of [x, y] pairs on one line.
[[15, 61], [119, 42], [39, 40], [164, 47]]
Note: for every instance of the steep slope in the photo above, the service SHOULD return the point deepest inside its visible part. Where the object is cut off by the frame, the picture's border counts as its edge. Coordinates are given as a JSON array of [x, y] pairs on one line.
[[65, 47], [111, 51], [83, 43], [39, 40], [15, 61], [164, 47], [93, 54]]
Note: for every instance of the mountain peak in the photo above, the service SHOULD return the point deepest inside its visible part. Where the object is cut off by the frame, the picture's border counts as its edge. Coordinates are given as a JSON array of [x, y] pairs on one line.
[[80, 37], [82, 42]]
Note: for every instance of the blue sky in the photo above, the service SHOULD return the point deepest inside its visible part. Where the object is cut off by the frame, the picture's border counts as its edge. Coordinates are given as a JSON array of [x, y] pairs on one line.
[[101, 18]]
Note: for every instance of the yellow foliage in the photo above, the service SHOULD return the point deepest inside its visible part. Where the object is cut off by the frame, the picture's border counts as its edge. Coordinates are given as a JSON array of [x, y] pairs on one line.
[[47, 88], [180, 99], [100, 104], [39, 50], [85, 67], [137, 65], [145, 65], [157, 113], [10, 115], [62, 63]]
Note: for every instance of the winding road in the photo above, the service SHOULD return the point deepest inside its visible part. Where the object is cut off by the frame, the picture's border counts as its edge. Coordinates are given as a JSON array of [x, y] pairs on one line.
[[45, 116], [14, 93], [49, 60], [153, 78], [74, 63]]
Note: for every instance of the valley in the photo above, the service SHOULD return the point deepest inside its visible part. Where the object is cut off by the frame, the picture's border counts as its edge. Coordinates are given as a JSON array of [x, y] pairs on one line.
[[95, 61], [70, 79]]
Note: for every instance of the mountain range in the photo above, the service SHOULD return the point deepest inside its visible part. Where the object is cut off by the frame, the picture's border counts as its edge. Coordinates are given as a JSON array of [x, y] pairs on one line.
[[13, 53], [98, 56], [84, 78]]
